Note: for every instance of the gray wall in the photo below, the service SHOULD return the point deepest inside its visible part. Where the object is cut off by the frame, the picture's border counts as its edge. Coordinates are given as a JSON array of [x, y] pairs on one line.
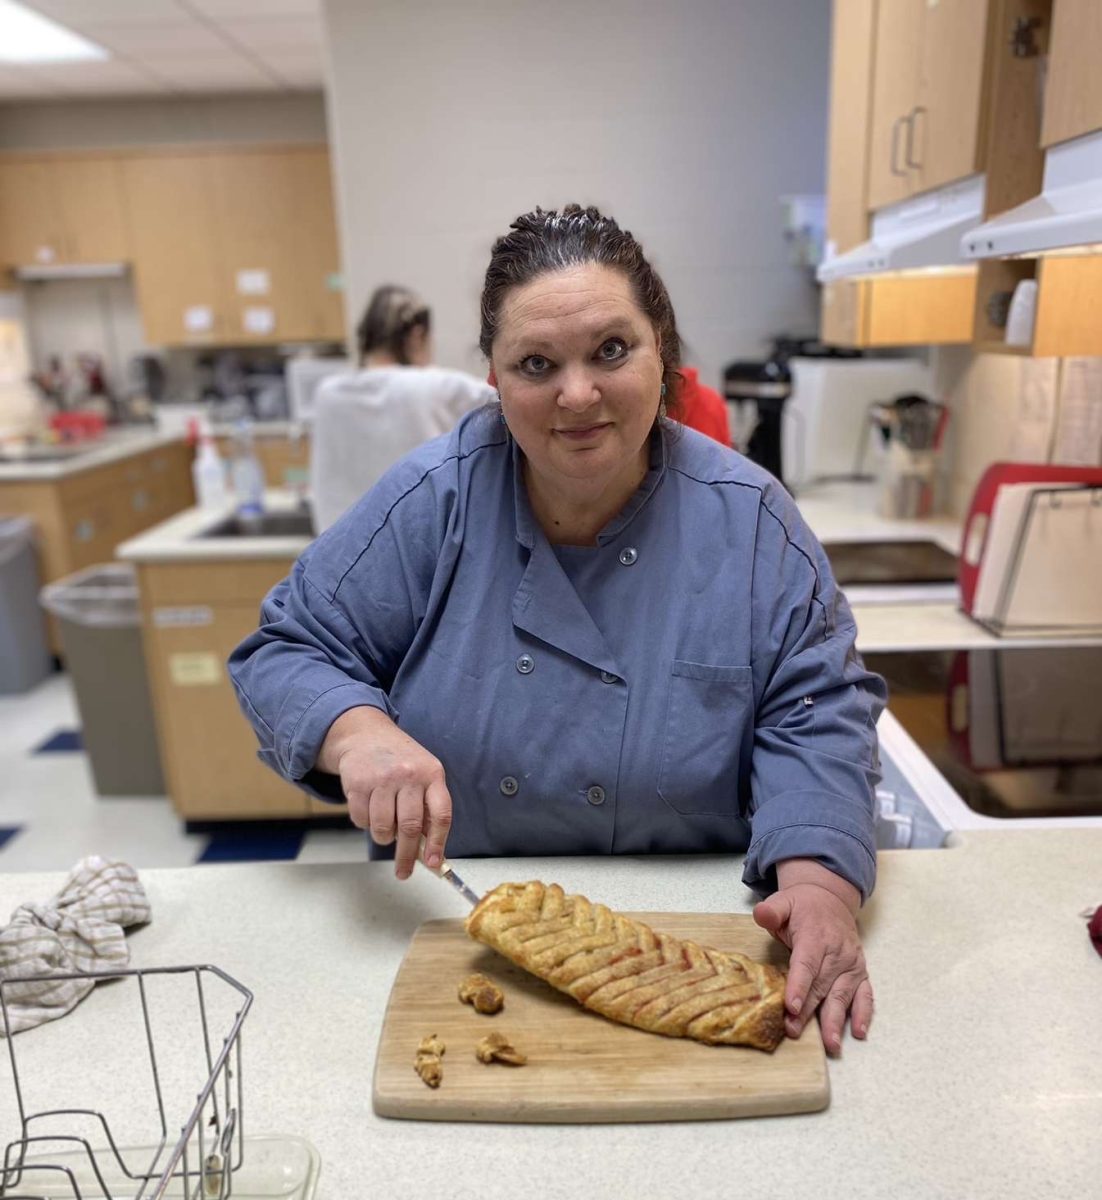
[[685, 121], [146, 120]]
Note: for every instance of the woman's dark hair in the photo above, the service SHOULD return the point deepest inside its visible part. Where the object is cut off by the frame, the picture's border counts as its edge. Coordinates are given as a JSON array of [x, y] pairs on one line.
[[539, 242], [391, 315]]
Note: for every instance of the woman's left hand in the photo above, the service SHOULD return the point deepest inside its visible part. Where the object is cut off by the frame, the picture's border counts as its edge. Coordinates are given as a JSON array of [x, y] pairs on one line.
[[814, 915]]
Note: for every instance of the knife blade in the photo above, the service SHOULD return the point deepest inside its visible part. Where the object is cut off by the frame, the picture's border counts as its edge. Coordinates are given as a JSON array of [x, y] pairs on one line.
[[447, 872]]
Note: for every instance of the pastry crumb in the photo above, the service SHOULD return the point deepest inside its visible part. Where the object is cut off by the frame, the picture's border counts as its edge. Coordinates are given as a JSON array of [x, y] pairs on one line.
[[483, 995], [496, 1047], [427, 1064]]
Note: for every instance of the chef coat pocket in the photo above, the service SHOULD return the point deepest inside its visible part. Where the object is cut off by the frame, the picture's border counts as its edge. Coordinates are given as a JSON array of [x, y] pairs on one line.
[[709, 728]]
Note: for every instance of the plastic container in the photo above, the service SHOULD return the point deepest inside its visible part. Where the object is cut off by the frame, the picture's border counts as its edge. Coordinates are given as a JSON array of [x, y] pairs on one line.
[[99, 618], [246, 473], [24, 655], [208, 474]]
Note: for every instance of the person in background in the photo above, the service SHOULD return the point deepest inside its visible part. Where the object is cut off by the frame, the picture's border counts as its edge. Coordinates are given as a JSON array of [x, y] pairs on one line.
[[700, 407], [576, 627], [365, 421]]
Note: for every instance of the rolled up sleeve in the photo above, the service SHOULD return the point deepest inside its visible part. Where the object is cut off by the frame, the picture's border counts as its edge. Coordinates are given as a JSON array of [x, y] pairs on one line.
[[815, 765]]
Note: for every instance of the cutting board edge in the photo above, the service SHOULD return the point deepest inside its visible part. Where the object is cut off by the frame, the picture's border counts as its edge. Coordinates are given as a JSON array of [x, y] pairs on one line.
[[432, 1107]]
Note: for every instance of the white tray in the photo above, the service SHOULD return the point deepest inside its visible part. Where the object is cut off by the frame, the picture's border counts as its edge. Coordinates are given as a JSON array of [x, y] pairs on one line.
[[272, 1167]]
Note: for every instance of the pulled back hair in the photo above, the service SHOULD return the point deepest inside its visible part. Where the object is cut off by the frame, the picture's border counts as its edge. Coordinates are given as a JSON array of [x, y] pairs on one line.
[[540, 242], [391, 315]]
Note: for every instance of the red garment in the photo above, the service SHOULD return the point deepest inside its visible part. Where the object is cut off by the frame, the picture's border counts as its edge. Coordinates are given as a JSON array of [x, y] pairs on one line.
[[701, 407]]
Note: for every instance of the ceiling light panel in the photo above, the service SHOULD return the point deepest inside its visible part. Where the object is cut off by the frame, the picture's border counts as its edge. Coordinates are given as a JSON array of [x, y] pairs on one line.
[[27, 36]]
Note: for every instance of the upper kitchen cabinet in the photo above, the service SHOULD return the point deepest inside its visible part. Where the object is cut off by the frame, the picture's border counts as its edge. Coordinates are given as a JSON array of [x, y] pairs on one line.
[[896, 60], [273, 212], [177, 261], [852, 34], [1073, 90], [235, 247], [62, 210], [928, 86]]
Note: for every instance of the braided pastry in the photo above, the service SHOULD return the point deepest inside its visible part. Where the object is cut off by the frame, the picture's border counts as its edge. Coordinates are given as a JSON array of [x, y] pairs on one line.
[[626, 971]]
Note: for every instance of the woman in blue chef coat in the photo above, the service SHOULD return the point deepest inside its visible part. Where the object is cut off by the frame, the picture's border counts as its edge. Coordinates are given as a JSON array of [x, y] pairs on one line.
[[571, 626]]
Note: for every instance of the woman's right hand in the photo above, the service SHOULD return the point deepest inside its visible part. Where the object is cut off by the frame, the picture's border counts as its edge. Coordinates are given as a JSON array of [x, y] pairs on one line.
[[395, 788]]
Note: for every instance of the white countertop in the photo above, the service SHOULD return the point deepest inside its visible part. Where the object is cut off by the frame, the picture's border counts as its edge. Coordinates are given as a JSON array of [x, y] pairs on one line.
[[845, 511], [179, 539], [111, 447], [980, 1078]]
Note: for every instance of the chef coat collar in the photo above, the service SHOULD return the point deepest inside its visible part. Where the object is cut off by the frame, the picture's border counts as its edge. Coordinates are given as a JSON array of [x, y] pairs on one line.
[[527, 527], [545, 604]]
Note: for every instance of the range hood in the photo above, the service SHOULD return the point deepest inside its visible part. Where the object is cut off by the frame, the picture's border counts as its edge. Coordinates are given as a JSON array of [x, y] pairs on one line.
[[41, 271], [1067, 213], [922, 234]]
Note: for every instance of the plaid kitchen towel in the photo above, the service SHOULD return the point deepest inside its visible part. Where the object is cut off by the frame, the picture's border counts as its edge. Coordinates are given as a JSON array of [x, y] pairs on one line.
[[79, 930]]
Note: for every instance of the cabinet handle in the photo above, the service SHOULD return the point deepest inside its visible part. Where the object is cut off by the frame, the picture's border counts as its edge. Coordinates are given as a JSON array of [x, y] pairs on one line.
[[895, 144], [912, 119]]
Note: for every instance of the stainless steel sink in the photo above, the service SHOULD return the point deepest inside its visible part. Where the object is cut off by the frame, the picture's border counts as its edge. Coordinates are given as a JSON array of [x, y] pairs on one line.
[[269, 524], [885, 562]]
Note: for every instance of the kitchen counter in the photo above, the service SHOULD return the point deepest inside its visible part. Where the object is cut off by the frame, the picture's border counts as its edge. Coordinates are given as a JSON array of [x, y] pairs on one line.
[[180, 539], [845, 511], [112, 447], [980, 1078]]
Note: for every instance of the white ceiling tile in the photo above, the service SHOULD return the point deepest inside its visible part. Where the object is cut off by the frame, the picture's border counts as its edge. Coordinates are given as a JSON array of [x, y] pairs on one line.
[[273, 33], [76, 13], [214, 74], [168, 39], [77, 75], [225, 9], [297, 73]]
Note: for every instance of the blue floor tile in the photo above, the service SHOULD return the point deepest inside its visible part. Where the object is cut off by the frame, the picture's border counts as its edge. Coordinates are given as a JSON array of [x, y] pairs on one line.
[[259, 845], [64, 740], [7, 832]]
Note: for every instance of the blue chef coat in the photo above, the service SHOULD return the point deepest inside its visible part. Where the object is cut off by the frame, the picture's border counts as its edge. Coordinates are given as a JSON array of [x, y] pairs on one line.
[[688, 684]]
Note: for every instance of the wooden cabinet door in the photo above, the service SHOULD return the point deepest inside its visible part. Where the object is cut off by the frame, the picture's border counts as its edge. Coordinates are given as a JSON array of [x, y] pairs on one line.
[[275, 215], [177, 259], [1073, 90], [31, 225], [851, 58], [945, 134], [89, 194], [207, 747], [316, 247], [252, 209], [897, 57]]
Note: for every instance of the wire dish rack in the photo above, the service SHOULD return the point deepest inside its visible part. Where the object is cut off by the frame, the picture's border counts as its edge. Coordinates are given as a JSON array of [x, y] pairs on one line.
[[138, 1094]]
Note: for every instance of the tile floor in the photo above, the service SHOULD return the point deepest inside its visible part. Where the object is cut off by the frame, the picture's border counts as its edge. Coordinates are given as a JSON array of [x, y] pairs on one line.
[[50, 815]]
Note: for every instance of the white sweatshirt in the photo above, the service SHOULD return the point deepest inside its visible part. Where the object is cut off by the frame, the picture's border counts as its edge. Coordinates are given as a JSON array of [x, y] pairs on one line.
[[365, 421]]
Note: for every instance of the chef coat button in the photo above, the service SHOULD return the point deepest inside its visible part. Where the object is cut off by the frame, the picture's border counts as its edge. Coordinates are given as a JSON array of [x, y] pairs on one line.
[[509, 786], [596, 794], [608, 677], [628, 555], [526, 664]]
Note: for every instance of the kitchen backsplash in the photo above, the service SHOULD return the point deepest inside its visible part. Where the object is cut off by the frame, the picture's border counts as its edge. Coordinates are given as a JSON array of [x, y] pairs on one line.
[[1008, 408]]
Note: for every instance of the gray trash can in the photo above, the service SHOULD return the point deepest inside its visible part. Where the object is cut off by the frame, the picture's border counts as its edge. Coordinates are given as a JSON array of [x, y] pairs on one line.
[[100, 621], [24, 656]]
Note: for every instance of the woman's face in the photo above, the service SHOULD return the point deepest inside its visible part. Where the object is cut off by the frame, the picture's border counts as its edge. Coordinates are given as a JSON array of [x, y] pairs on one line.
[[578, 368]]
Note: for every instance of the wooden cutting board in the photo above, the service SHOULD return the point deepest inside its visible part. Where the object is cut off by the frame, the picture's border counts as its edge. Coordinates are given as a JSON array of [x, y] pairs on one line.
[[581, 1066]]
